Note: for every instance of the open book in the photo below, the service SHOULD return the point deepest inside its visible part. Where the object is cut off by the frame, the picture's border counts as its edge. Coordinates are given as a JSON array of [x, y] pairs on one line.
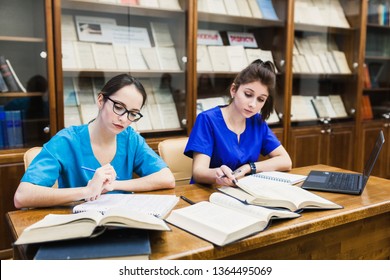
[[224, 219], [281, 177], [275, 194], [153, 204], [55, 227]]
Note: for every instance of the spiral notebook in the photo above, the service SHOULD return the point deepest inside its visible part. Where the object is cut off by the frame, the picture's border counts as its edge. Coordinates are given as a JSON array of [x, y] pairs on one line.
[[158, 205], [279, 176]]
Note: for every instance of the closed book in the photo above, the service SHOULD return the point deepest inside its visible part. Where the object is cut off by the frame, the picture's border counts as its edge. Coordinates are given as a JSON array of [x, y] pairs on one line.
[[7, 75], [3, 129], [112, 244], [14, 128], [267, 9]]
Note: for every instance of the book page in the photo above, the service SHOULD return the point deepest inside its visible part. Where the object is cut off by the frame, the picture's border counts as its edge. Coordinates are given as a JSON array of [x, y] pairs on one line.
[[203, 62], [341, 62], [121, 57], [237, 57], [219, 58], [151, 204], [259, 212], [286, 177], [328, 105], [136, 59], [338, 105], [302, 109], [319, 107], [278, 194], [167, 58], [151, 58], [217, 224], [69, 60], [104, 56], [84, 55]]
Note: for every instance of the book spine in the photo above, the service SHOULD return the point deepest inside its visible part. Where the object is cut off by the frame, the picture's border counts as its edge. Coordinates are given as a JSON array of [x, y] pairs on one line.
[[19, 84], [7, 75]]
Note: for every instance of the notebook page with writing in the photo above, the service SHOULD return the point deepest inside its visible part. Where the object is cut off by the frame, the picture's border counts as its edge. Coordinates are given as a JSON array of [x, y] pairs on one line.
[[153, 204]]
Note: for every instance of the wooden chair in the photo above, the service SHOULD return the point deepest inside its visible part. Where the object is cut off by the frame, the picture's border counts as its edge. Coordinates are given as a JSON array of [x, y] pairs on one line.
[[171, 151], [28, 157]]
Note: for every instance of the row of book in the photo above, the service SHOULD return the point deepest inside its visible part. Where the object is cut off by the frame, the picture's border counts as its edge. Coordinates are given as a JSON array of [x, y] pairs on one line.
[[166, 4], [263, 9], [11, 130], [374, 75], [318, 54], [379, 12], [159, 112], [319, 12], [9, 81], [308, 108]]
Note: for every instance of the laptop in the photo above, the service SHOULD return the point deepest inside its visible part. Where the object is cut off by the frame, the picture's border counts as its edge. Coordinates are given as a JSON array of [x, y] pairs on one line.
[[340, 182]]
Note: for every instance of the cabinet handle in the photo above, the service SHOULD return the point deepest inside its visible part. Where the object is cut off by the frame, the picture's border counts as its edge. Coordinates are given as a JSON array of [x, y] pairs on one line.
[[329, 130], [322, 131], [46, 129]]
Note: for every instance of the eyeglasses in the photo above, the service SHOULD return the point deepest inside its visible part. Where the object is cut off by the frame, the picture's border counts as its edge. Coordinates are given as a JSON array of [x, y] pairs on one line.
[[120, 110]]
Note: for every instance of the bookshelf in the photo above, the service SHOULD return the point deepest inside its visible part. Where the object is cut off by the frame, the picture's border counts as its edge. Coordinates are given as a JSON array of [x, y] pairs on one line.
[[28, 47], [377, 91]]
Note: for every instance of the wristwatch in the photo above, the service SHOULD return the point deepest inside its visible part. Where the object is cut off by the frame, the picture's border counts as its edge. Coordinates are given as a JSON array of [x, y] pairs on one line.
[[253, 167]]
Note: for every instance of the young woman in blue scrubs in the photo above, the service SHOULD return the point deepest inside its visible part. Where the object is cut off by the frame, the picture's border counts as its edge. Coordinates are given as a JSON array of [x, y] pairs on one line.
[[108, 146], [231, 138]]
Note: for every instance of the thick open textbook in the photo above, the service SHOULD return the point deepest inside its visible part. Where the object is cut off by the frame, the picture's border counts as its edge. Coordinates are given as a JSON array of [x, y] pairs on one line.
[[257, 191], [55, 227], [224, 219]]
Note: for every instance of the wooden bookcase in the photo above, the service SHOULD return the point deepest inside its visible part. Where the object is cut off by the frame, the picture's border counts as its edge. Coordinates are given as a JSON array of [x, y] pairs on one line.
[[341, 142]]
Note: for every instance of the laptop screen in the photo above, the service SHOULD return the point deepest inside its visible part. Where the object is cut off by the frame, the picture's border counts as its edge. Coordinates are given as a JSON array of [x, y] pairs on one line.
[[373, 157]]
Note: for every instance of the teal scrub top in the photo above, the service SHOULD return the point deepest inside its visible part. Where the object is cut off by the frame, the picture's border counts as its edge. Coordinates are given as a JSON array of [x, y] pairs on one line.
[[63, 156]]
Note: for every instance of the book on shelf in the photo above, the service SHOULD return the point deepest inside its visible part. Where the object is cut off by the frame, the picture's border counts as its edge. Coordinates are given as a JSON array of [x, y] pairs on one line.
[[366, 108], [209, 37], [366, 77], [145, 124], [224, 219], [167, 58], [68, 28], [215, 6], [151, 58], [84, 55], [3, 129], [203, 62], [243, 8], [341, 62], [203, 104], [157, 205], [275, 194], [70, 96], [149, 3], [302, 63], [375, 70], [72, 116], [302, 109], [267, 9], [120, 53], [68, 52], [245, 39], [104, 56], [219, 58], [83, 87], [314, 63], [55, 227], [323, 107], [264, 55], [169, 4], [325, 63], [236, 57], [20, 85], [7, 75], [138, 58], [332, 62], [13, 119], [3, 85], [88, 112], [113, 244], [94, 29], [338, 105], [255, 9], [231, 7], [161, 34], [129, 2], [273, 118], [132, 36], [279, 176]]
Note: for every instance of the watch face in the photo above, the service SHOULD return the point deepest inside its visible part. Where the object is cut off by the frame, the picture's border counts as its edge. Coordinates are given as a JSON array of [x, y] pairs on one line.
[[253, 168]]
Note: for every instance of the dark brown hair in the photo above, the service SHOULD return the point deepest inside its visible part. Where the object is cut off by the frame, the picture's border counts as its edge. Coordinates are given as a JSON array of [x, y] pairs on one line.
[[264, 72]]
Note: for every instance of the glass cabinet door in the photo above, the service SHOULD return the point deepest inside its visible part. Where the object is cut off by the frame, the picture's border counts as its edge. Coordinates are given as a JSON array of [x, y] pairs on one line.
[[25, 82], [147, 39], [231, 35]]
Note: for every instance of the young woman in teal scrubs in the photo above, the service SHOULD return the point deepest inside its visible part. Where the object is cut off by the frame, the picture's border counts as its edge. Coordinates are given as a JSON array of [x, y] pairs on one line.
[[231, 138], [107, 145]]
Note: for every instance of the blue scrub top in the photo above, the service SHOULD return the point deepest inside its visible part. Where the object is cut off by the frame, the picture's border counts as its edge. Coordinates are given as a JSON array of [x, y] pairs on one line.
[[211, 136], [62, 157]]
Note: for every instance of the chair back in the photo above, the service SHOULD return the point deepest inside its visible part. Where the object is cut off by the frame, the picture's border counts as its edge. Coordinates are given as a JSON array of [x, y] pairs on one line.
[[28, 157], [171, 151]]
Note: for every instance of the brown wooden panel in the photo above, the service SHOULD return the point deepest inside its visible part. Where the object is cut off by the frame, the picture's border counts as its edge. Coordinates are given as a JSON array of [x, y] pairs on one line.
[[305, 146]]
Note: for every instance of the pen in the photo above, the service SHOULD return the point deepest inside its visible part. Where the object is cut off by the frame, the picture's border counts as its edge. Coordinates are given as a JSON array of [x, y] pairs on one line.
[[233, 173], [92, 170], [187, 200]]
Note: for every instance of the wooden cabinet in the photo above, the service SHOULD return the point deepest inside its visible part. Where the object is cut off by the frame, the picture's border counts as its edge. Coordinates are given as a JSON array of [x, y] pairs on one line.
[[370, 130], [26, 41], [326, 144]]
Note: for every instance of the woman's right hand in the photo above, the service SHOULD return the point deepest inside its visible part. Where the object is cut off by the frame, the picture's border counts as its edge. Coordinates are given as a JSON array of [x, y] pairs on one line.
[[101, 180]]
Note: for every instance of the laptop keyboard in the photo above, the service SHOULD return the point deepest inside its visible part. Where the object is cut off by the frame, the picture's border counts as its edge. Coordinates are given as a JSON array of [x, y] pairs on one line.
[[343, 181]]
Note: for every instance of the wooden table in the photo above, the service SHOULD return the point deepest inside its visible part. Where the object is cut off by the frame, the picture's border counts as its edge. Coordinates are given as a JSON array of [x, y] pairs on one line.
[[361, 230]]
